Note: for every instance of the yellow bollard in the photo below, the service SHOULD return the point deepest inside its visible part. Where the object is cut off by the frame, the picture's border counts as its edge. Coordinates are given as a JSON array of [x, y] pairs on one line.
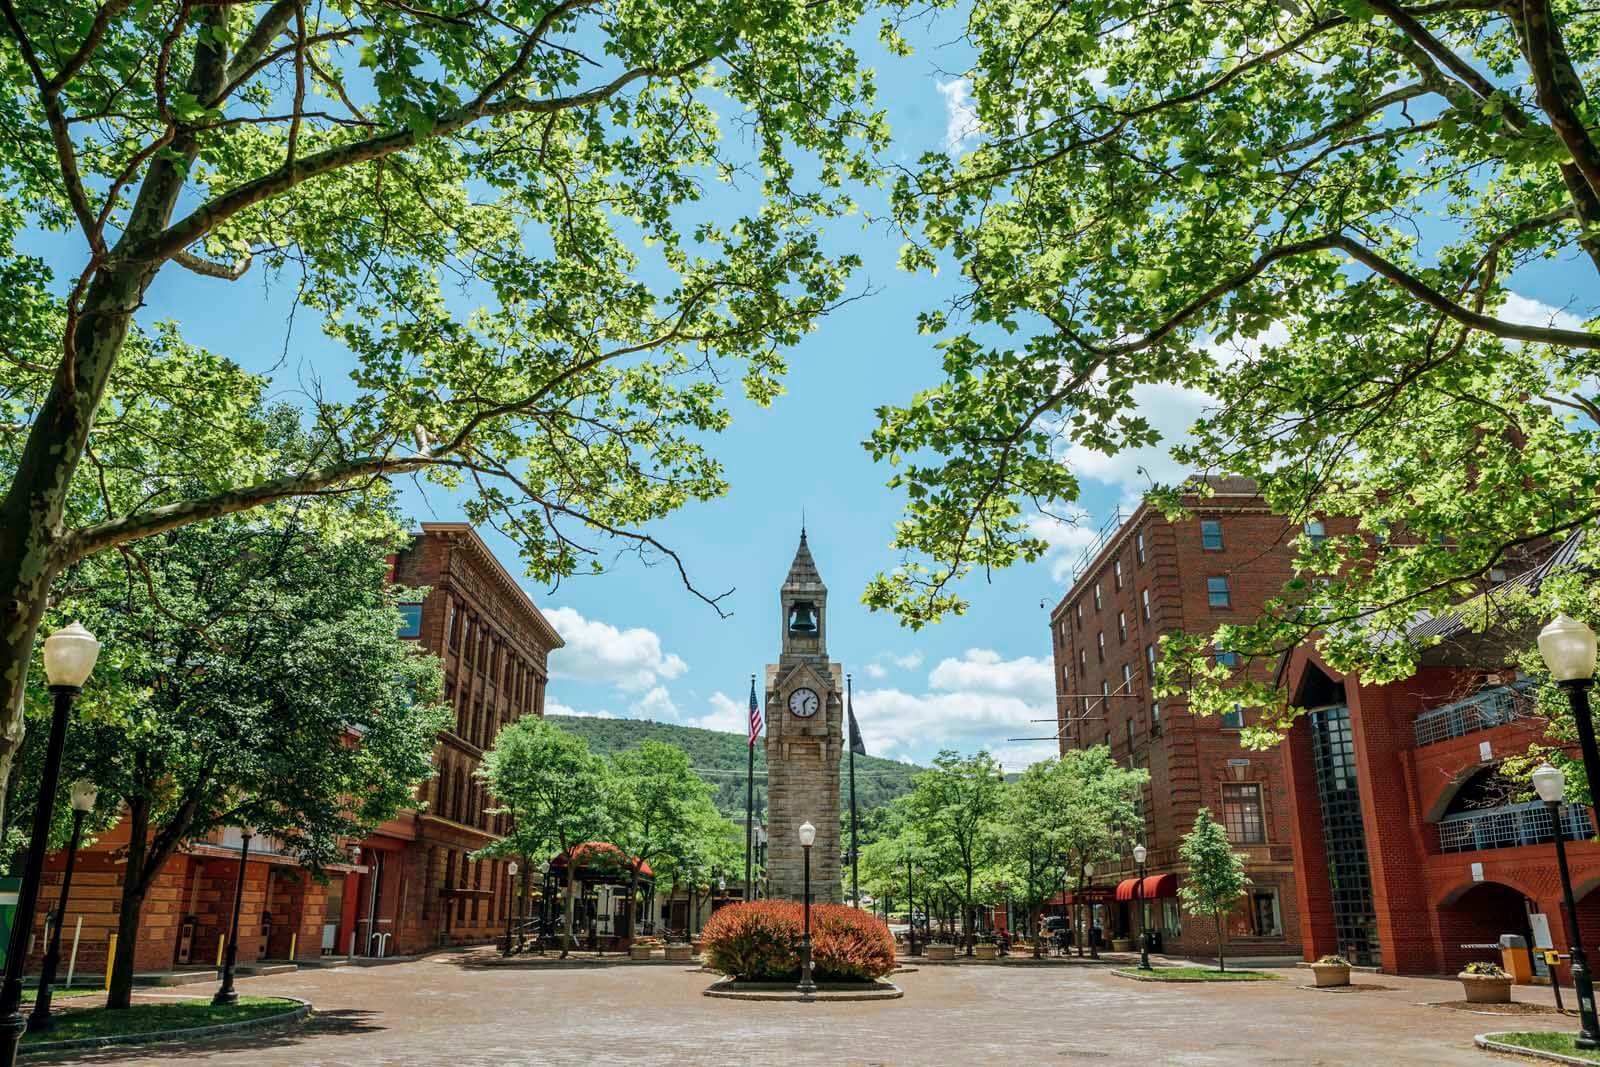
[[294, 939], [111, 960], [222, 943]]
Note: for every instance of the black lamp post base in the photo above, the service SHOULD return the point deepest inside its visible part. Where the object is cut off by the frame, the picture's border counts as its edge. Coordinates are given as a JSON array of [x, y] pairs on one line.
[[225, 997]]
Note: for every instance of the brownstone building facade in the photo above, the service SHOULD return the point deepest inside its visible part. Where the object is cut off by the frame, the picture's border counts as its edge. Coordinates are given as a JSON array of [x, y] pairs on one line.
[[1142, 578], [410, 885]]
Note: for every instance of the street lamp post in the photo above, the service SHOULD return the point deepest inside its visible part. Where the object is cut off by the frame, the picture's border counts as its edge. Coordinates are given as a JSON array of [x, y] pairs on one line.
[[226, 994], [808, 835], [511, 906], [69, 656], [1139, 854], [544, 902], [911, 913], [1551, 785], [83, 796], [1568, 649]]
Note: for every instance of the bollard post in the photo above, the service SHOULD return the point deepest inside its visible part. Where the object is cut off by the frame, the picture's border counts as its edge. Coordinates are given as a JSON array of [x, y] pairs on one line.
[[111, 961], [72, 964]]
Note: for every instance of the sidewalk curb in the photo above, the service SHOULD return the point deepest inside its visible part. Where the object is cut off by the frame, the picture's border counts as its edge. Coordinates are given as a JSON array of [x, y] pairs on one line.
[[1487, 1041], [186, 1034]]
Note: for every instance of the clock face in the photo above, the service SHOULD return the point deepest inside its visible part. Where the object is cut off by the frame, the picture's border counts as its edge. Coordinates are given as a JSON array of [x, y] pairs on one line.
[[803, 703]]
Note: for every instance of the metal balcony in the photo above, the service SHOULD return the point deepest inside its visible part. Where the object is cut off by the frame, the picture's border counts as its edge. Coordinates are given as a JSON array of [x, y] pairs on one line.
[[1492, 707], [1511, 826]]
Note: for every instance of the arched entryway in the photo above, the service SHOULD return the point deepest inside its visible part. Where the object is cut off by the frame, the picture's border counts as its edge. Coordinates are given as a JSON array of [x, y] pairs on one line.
[[1473, 918]]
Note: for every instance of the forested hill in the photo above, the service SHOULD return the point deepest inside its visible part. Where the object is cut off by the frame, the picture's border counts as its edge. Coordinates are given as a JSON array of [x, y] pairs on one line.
[[719, 758]]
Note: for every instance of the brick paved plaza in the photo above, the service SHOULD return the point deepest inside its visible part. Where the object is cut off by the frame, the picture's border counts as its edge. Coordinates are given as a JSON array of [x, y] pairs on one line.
[[450, 1010]]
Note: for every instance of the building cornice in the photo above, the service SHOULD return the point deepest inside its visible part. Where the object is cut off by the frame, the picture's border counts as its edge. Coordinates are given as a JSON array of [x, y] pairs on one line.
[[462, 534]]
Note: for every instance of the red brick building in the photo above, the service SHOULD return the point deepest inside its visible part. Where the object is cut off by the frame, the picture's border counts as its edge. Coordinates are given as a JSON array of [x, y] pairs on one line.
[[1144, 577], [1412, 851], [410, 885]]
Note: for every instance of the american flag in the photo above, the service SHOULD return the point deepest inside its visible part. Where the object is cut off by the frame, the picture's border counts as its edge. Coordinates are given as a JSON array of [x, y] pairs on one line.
[[755, 713]]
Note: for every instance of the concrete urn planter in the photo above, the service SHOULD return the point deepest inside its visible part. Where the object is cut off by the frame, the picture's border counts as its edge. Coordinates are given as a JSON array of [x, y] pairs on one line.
[[1330, 974], [640, 952], [1486, 989], [680, 952], [941, 952], [984, 952], [1122, 944]]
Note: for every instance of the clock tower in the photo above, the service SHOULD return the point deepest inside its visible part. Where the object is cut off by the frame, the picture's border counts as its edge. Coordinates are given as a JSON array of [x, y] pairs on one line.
[[805, 739]]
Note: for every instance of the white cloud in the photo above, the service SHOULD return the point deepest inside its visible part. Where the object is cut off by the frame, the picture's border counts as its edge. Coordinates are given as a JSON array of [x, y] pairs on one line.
[[553, 708], [656, 704], [726, 714], [879, 667], [631, 659], [877, 670], [961, 123], [1531, 312], [982, 670], [908, 662], [979, 701]]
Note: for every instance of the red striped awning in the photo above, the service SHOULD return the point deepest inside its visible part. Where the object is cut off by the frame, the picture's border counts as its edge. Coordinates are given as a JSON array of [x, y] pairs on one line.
[[1128, 889]]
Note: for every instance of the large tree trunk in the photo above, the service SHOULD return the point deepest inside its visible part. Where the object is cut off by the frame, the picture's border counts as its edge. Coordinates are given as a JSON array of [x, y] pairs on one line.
[[133, 890], [1222, 963]]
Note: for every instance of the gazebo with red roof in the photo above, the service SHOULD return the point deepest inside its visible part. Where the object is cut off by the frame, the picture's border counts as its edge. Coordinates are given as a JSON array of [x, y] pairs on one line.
[[599, 864]]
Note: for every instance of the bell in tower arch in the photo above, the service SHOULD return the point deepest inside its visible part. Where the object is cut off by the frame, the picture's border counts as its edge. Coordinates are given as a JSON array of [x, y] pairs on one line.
[[803, 618]]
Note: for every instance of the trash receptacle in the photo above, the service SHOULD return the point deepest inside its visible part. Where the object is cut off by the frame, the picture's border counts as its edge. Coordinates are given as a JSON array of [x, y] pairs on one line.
[[1515, 959]]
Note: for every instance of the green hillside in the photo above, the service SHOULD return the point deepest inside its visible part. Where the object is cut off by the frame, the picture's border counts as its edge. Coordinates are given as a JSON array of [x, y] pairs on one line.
[[719, 758]]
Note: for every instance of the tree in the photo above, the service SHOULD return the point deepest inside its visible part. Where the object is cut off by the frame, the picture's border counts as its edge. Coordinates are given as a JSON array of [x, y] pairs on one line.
[[555, 792], [250, 676], [1037, 806], [1095, 803], [1315, 214], [498, 212], [708, 844], [954, 805], [1215, 879], [656, 799]]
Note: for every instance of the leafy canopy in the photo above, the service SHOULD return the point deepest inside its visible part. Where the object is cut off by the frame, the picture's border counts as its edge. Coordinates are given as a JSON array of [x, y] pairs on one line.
[[1316, 214]]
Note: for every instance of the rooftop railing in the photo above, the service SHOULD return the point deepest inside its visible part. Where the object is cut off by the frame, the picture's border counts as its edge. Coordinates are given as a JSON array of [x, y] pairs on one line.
[[1512, 826], [1492, 707]]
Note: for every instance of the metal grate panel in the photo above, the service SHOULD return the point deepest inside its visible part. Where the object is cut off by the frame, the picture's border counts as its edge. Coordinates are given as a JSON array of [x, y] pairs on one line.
[[1511, 826], [1349, 876], [1492, 707]]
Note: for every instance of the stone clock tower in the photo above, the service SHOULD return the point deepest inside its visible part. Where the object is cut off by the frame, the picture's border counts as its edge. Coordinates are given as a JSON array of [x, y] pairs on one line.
[[805, 717]]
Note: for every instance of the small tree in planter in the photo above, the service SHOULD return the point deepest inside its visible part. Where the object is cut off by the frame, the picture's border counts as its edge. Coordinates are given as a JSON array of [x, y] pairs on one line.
[[1331, 971], [1485, 983], [1216, 879]]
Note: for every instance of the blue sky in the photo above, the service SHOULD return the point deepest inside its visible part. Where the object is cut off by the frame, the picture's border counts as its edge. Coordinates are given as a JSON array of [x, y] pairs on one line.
[[639, 645]]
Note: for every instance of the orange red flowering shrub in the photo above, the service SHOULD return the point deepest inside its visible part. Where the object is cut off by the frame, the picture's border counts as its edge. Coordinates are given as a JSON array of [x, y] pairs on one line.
[[760, 941]]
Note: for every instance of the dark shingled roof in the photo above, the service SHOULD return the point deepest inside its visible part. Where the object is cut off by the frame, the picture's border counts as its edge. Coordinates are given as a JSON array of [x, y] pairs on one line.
[[803, 571], [1450, 623]]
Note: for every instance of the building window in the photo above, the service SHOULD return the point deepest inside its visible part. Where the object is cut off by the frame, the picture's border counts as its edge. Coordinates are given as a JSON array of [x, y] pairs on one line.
[[1138, 546], [1077, 609], [1155, 719], [1233, 720], [1105, 689], [1228, 659], [1241, 814], [1116, 574], [1130, 740], [1317, 532], [1150, 659], [410, 620], [1097, 596], [1100, 645], [1122, 626], [1265, 918], [454, 627], [1144, 603], [1211, 534], [1083, 662], [1127, 678], [1171, 918], [1217, 593]]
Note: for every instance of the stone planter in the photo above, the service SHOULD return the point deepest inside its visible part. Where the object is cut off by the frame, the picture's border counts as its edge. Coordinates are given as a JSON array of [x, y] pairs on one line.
[[698, 945], [680, 952], [1330, 974], [640, 952], [984, 952], [1122, 944], [1485, 989], [941, 952]]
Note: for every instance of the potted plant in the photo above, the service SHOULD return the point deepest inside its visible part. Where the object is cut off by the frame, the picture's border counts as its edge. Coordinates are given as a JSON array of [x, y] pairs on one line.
[[985, 950], [643, 948], [1122, 944], [941, 949], [1331, 970], [681, 950], [1485, 983]]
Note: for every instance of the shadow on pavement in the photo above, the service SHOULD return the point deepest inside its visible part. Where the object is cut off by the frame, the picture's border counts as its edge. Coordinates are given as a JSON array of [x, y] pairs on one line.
[[322, 1024]]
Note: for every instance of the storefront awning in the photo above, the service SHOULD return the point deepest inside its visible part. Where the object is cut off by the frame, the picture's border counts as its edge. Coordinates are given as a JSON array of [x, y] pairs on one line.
[[1160, 885], [1128, 889]]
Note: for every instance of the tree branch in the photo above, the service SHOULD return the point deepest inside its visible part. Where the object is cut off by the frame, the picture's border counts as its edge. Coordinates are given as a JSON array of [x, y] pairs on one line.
[[211, 269]]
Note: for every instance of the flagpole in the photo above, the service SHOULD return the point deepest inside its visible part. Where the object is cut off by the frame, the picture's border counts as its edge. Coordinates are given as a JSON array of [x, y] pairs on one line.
[[855, 850], [750, 802]]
